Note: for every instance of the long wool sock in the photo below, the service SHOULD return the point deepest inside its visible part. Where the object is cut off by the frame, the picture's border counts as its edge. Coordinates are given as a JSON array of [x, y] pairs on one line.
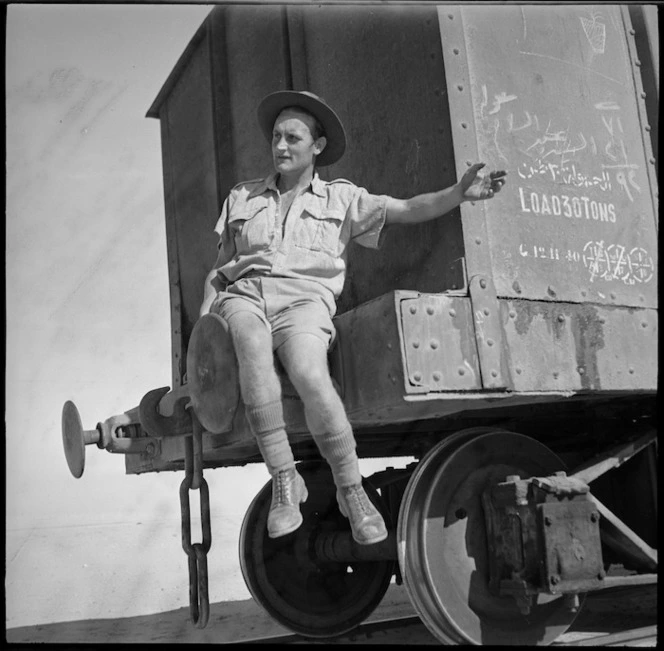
[[338, 449], [267, 425]]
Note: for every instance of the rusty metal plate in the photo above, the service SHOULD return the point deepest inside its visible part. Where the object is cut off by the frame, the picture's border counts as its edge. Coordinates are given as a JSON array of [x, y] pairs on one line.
[[572, 347], [571, 545], [555, 103], [438, 344]]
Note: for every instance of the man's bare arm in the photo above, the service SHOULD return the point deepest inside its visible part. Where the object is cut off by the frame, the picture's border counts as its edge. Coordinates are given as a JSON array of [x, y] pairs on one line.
[[424, 207]]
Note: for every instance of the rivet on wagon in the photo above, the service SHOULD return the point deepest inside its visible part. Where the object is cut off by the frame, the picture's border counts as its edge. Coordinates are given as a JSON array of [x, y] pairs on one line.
[[584, 292], [637, 62], [416, 344], [518, 371], [548, 521], [594, 516], [436, 376], [483, 283], [434, 343], [456, 50], [613, 295], [652, 161], [494, 373], [486, 311], [512, 314], [462, 371], [459, 87], [631, 31], [516, 286], [389, 346], [392, 378], [417, 377], [452, 313], [581, 370], [450, 16], [489, 342], [631, 370], [464, 125], [478, 240], [430, 309], [602, 319], [561, 318], [555, 374], [647, 127], [413, 309], [643, 95], [554, 578]]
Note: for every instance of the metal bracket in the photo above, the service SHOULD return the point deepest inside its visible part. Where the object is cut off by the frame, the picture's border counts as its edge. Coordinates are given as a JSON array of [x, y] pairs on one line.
[[489, 333], [152, 421]]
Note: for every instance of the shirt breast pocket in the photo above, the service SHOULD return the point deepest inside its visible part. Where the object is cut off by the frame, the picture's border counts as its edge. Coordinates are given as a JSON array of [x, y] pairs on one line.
[[250, 230], [320, 231]]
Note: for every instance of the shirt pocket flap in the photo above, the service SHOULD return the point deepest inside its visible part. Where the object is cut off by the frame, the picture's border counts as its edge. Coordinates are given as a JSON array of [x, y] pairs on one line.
[[246, 214], [319, 213]]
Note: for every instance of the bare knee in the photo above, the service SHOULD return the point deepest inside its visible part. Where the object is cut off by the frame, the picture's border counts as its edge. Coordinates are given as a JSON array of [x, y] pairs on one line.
[[249, 334], [305, 361]]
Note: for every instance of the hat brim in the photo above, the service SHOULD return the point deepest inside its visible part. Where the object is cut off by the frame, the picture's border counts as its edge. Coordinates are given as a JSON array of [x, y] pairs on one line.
[[274, 103]]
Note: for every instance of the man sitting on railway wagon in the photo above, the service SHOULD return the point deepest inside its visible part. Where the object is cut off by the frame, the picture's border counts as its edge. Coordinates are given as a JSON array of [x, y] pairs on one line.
[[279, 271]]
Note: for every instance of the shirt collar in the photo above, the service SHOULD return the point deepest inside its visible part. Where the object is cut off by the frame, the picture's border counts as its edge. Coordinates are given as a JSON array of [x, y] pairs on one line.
[[270, 183]]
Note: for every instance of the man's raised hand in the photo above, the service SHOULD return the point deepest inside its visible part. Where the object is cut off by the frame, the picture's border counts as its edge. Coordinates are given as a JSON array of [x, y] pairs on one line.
[[476, 187]]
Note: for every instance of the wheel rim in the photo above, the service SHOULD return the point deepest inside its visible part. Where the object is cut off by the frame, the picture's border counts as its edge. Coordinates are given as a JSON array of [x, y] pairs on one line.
[[442, 549], [307, 595]]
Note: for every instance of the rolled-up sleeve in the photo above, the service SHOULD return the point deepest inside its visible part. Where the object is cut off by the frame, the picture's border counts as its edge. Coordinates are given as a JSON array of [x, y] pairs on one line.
[[226, 244], [367, 217]]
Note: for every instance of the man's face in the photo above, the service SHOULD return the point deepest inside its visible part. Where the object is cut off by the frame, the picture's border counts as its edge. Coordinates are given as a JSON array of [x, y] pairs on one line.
[[293, 145]]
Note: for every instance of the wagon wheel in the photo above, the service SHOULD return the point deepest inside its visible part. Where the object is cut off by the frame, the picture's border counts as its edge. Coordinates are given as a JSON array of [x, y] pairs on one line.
[[310, 596], [442, 542]]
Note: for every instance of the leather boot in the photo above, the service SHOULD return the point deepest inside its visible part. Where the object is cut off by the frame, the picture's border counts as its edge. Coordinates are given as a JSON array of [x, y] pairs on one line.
[[366, 522], [288, 492]]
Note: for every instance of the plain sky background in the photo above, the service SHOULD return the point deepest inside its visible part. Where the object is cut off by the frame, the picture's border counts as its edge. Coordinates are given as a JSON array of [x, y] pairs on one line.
[[88, 317]]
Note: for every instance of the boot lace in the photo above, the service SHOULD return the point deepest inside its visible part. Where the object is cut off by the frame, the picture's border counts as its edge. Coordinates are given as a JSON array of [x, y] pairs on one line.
[[283, 490], [360, 501]]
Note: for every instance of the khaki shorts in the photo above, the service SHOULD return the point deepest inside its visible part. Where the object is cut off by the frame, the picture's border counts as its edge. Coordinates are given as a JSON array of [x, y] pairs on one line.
[[287, 306]]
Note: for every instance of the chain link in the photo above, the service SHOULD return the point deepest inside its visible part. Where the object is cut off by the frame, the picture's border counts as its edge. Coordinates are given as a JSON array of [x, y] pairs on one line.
[[199, 603]]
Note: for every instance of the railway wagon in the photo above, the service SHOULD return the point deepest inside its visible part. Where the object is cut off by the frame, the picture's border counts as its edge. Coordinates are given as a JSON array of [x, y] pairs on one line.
[[509, 349]]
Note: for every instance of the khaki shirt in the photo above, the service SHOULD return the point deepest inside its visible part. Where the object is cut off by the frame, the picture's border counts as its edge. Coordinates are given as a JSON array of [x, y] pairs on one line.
[[310, 243]]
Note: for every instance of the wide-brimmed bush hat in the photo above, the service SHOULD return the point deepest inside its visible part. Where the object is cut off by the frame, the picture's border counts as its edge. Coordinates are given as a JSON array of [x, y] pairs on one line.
[[271, 105]]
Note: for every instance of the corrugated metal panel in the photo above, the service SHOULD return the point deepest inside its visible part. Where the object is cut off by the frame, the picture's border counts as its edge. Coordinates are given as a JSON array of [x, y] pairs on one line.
[[190, 182], [381, 68], [555, 104], [567, 346]]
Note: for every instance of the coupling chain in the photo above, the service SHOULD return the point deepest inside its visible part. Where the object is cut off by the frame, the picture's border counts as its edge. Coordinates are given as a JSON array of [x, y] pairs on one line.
[[199, 602]]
